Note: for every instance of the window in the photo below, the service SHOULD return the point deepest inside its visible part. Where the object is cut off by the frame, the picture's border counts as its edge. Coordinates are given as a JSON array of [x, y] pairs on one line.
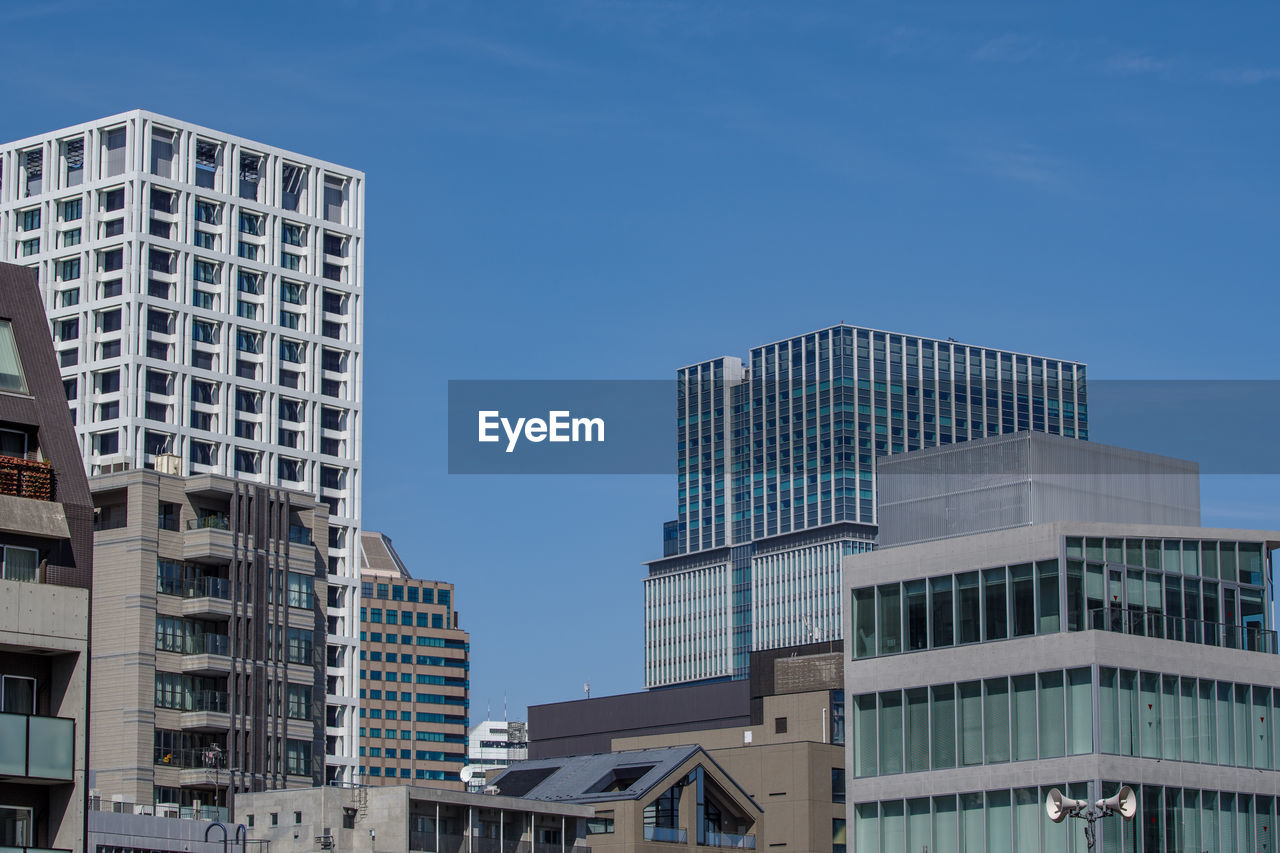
[[248, 251], [17, 827], [11, 375], [206, 173], [19, 564], [29, 247], [247, 310], [67, 298], [292, 235], [112, 200], [248, 341], [71, 210], [69, 270], [247, 461], [203, 331], [71, 237], [290, 261], [31, 219], [293, 351], [205, 271], [250, 283], [293, 292], [107, 443], [208, 212], [290, 319], [108, 381], [205, 240]]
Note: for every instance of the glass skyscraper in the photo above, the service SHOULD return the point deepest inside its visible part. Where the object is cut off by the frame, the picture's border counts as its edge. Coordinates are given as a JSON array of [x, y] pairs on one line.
[[776, 477]]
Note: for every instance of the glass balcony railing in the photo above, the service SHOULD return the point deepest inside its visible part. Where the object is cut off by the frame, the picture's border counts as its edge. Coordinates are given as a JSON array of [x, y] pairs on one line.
[[728, 839], [299, 534], [668, 834], [209, 700], [201, 587], [4, 849], [37, 747], [197, 644], [1143, 623]]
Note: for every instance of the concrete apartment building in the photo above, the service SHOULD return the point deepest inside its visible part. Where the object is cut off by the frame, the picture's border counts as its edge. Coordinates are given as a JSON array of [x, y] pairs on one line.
[[414, 674], [205, 294], [404, 818], [46, 571], [777, 479], [985, 669], [209, 640], [779, 736]]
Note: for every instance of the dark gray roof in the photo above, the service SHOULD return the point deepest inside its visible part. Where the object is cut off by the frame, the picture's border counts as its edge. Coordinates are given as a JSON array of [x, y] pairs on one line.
[[578, 778]]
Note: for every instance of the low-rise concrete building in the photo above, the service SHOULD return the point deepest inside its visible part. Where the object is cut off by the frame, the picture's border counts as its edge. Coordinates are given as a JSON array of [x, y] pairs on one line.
[[646, 800], [46, 570], [367, 819]]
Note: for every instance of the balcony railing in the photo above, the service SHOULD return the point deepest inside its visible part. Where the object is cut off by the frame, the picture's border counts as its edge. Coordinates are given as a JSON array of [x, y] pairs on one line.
[[299, 534], [212, 521], [26, 478], [35, 747], [201, 587], [728, 839], [209, 700], [34, 850], [666, 833], [197, 644], [1143, 623]]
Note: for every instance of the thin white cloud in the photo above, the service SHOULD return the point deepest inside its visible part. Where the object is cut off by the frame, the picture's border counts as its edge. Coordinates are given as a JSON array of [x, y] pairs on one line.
[[1012, 48], [1024, 165], [1133, 62], [1246, 76]]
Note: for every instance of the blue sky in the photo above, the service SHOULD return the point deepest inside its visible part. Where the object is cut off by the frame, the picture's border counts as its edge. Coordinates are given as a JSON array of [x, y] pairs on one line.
[[610, 189]]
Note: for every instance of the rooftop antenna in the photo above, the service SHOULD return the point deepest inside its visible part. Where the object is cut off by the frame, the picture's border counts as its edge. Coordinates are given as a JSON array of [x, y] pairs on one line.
[[586, 688], [505, 717]]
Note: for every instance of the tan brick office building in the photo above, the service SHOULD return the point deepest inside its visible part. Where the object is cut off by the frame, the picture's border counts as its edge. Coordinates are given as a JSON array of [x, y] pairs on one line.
[[414, 674]]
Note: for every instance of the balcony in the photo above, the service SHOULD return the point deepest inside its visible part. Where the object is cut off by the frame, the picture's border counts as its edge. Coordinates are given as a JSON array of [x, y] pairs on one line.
[[34, 850], [669, 834], [299, 535], [40, 750], [209, 712], [26, 478], [206, 654], [208, 537]]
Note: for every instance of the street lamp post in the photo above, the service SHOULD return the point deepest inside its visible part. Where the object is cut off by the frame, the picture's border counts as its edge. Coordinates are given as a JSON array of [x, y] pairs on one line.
[[1122, 803]]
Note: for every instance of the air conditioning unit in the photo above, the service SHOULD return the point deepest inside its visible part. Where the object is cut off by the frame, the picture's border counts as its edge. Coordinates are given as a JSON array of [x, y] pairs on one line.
[[169, 463], [172, 810]]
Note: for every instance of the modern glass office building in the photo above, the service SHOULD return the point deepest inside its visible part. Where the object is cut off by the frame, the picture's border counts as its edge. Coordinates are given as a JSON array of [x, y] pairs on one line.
[[205, 295], [984, 669], [776, 477]]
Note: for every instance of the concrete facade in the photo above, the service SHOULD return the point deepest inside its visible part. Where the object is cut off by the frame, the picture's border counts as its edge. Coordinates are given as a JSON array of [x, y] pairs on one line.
[[46, 572], [206, 297], [414, 674], [1028, 478], [403, 818], [1104, 654], [210, 637]]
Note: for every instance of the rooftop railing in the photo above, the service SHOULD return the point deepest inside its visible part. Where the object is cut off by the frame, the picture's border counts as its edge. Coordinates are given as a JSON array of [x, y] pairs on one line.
[[1142, 623]]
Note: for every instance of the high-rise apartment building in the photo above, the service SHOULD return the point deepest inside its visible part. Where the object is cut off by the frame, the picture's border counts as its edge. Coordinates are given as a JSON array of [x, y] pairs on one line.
[[776, 477], [208, 638], [491, 746], [984, 670], [414, 674], [205, 297], [46, 560]]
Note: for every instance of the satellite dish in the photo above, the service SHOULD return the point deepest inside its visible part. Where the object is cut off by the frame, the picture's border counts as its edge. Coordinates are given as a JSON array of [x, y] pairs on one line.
[[1057, 806], [471, 771], [1122, 803]]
